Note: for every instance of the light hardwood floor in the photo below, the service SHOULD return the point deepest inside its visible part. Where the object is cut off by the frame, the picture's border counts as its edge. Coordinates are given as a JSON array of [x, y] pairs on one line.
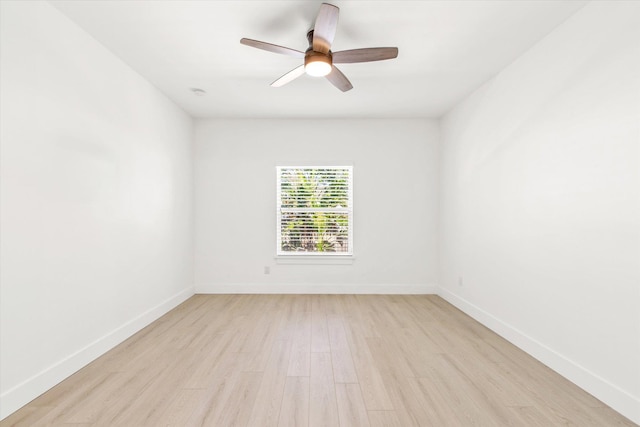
[[316, 360]]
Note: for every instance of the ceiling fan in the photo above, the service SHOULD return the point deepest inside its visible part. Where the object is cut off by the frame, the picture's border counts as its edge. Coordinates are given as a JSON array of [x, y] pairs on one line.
[[319, 60]]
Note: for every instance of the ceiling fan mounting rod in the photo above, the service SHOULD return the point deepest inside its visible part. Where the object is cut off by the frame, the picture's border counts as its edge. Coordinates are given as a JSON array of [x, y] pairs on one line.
[[310, 37]]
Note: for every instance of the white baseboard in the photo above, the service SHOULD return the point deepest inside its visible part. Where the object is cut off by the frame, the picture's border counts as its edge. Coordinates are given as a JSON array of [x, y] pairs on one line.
[[620, 400], [314, 288], [18, 396]]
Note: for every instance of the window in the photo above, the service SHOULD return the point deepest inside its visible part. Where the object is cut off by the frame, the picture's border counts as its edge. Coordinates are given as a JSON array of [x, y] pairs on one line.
[[315, 210]]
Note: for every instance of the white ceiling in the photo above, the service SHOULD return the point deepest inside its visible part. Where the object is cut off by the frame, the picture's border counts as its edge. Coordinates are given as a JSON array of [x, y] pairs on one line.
[[447, 49]]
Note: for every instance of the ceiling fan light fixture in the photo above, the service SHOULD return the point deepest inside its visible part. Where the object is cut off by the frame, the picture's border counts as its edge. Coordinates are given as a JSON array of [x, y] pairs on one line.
[[317, 64], [318, 58]]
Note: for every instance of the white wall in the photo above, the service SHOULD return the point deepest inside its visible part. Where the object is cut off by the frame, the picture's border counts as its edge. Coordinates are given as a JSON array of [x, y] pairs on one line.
[[540, 202], [394, 203], [96, 212]]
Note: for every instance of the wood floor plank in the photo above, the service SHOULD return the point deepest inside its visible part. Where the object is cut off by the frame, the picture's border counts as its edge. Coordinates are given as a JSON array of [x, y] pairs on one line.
[[179, 411], [351, 409], [416, 347], [359, 312], [318, 360], [96, 401], [412, 408], [266, 409], [319, 333], [323, 409], [554, 395], [57, 410], [147, 406], [301, 347], [212, 363], [471, 404], [27, 416], [343, 369], [481, 371], [384, 419], [219, 387], [439, 410], [532, 416], [295, 403], [374, 392], [234, 411]]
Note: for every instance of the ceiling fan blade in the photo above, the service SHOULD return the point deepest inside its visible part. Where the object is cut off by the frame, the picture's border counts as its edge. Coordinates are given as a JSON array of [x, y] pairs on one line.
[[365, 55], [324, 29], [272, 48], [339, 80], [289, 77]]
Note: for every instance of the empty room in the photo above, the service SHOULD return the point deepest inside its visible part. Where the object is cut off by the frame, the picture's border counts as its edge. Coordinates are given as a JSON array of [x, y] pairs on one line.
[[297, 213]]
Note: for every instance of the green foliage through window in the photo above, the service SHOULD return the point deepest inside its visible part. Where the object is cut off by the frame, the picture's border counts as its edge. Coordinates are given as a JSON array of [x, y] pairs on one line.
[[314, 206]]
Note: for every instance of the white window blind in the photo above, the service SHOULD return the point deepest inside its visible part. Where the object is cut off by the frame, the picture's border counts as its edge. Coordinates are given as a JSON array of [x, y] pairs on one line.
[[314, 210]]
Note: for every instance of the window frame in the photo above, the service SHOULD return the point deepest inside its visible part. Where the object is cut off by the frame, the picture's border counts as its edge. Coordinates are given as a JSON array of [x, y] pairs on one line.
[[348, 210]]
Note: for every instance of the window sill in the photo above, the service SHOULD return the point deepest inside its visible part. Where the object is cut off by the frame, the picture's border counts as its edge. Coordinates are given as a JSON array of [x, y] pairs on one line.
[[315, 259]]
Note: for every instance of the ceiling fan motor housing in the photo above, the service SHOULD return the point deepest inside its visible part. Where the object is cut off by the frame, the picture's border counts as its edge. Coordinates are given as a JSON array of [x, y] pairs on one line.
[[316, 63]]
